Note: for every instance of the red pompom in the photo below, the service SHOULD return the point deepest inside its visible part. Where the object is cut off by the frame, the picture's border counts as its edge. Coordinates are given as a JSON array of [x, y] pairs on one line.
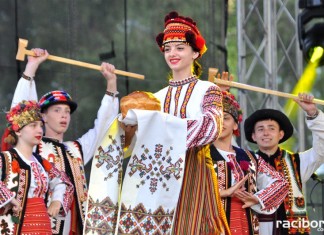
[[171, 15], [190, 38], [15, 166], [245, 165], [188, 19], [47, 165], [200, 42], [159, 39]]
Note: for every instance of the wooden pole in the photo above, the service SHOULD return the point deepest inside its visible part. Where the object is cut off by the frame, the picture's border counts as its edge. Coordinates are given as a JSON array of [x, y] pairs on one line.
[[262, 90]]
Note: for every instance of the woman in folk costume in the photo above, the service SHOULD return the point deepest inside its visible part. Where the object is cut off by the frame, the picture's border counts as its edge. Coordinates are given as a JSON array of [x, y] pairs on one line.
[[31, 189], [199, 102], [57, 108], [168, 185], [248, 185]]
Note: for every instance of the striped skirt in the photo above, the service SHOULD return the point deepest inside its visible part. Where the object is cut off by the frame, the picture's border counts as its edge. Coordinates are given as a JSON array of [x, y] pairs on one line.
[[238, 222], [36, 219]]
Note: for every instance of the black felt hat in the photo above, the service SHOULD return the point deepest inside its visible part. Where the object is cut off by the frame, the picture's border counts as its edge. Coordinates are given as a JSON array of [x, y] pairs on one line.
[[266, 114]]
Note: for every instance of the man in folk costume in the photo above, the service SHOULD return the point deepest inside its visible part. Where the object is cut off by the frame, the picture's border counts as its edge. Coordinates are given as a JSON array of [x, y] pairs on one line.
[[268, 128], [247, 184], [68, 156]]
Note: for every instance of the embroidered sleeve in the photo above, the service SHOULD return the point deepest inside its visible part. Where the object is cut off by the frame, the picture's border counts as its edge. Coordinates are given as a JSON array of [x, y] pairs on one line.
[[106, 114], [272, 188], [313, 158], [208, 127], [5, 194], [61, 189]]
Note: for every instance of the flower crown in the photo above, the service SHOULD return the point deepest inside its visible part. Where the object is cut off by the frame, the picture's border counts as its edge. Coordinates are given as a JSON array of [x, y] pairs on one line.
[[231, 106], [22, 114]]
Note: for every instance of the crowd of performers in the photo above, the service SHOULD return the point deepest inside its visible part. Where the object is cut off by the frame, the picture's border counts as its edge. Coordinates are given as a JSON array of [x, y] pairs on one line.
[[181, 172]]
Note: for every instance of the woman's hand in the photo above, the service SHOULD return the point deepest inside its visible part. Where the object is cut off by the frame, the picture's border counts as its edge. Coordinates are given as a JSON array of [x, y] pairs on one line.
[[230, 192], [14, 205], [54, 208], [248, 198]]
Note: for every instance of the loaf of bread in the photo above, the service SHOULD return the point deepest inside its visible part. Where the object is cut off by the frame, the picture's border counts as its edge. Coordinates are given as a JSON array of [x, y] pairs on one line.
[[139, 100]]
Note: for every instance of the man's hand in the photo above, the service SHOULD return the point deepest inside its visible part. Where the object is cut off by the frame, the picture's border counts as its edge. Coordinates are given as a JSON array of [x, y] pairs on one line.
[[54, 208], [129, 132], [224, 76], [107, 71], [235, 188], [305, 101], [34, 61]]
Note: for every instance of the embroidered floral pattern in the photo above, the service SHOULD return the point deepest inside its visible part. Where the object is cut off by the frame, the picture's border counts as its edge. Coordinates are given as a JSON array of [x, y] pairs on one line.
[[113, 163], [101, 217], [176, 100], [41, 180], [300, 202], [183, 113], [157, 168], [139, 220], [182, 82]]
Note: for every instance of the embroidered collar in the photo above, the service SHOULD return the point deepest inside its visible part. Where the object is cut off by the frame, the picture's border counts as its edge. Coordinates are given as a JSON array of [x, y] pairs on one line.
[[266, 157], [183, 82]]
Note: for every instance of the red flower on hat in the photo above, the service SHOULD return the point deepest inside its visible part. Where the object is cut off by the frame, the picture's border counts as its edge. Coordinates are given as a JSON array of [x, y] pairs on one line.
[[15, 127], [200, 42], [22, 114]]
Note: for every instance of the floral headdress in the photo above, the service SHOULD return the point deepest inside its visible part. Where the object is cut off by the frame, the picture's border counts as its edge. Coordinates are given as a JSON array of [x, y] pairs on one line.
[[22, 114], [231, 106], [181, 29]]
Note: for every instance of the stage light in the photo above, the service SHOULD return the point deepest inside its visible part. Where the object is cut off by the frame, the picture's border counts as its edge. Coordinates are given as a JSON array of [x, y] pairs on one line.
[[311, 29], [317, 54], [310, 3]]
